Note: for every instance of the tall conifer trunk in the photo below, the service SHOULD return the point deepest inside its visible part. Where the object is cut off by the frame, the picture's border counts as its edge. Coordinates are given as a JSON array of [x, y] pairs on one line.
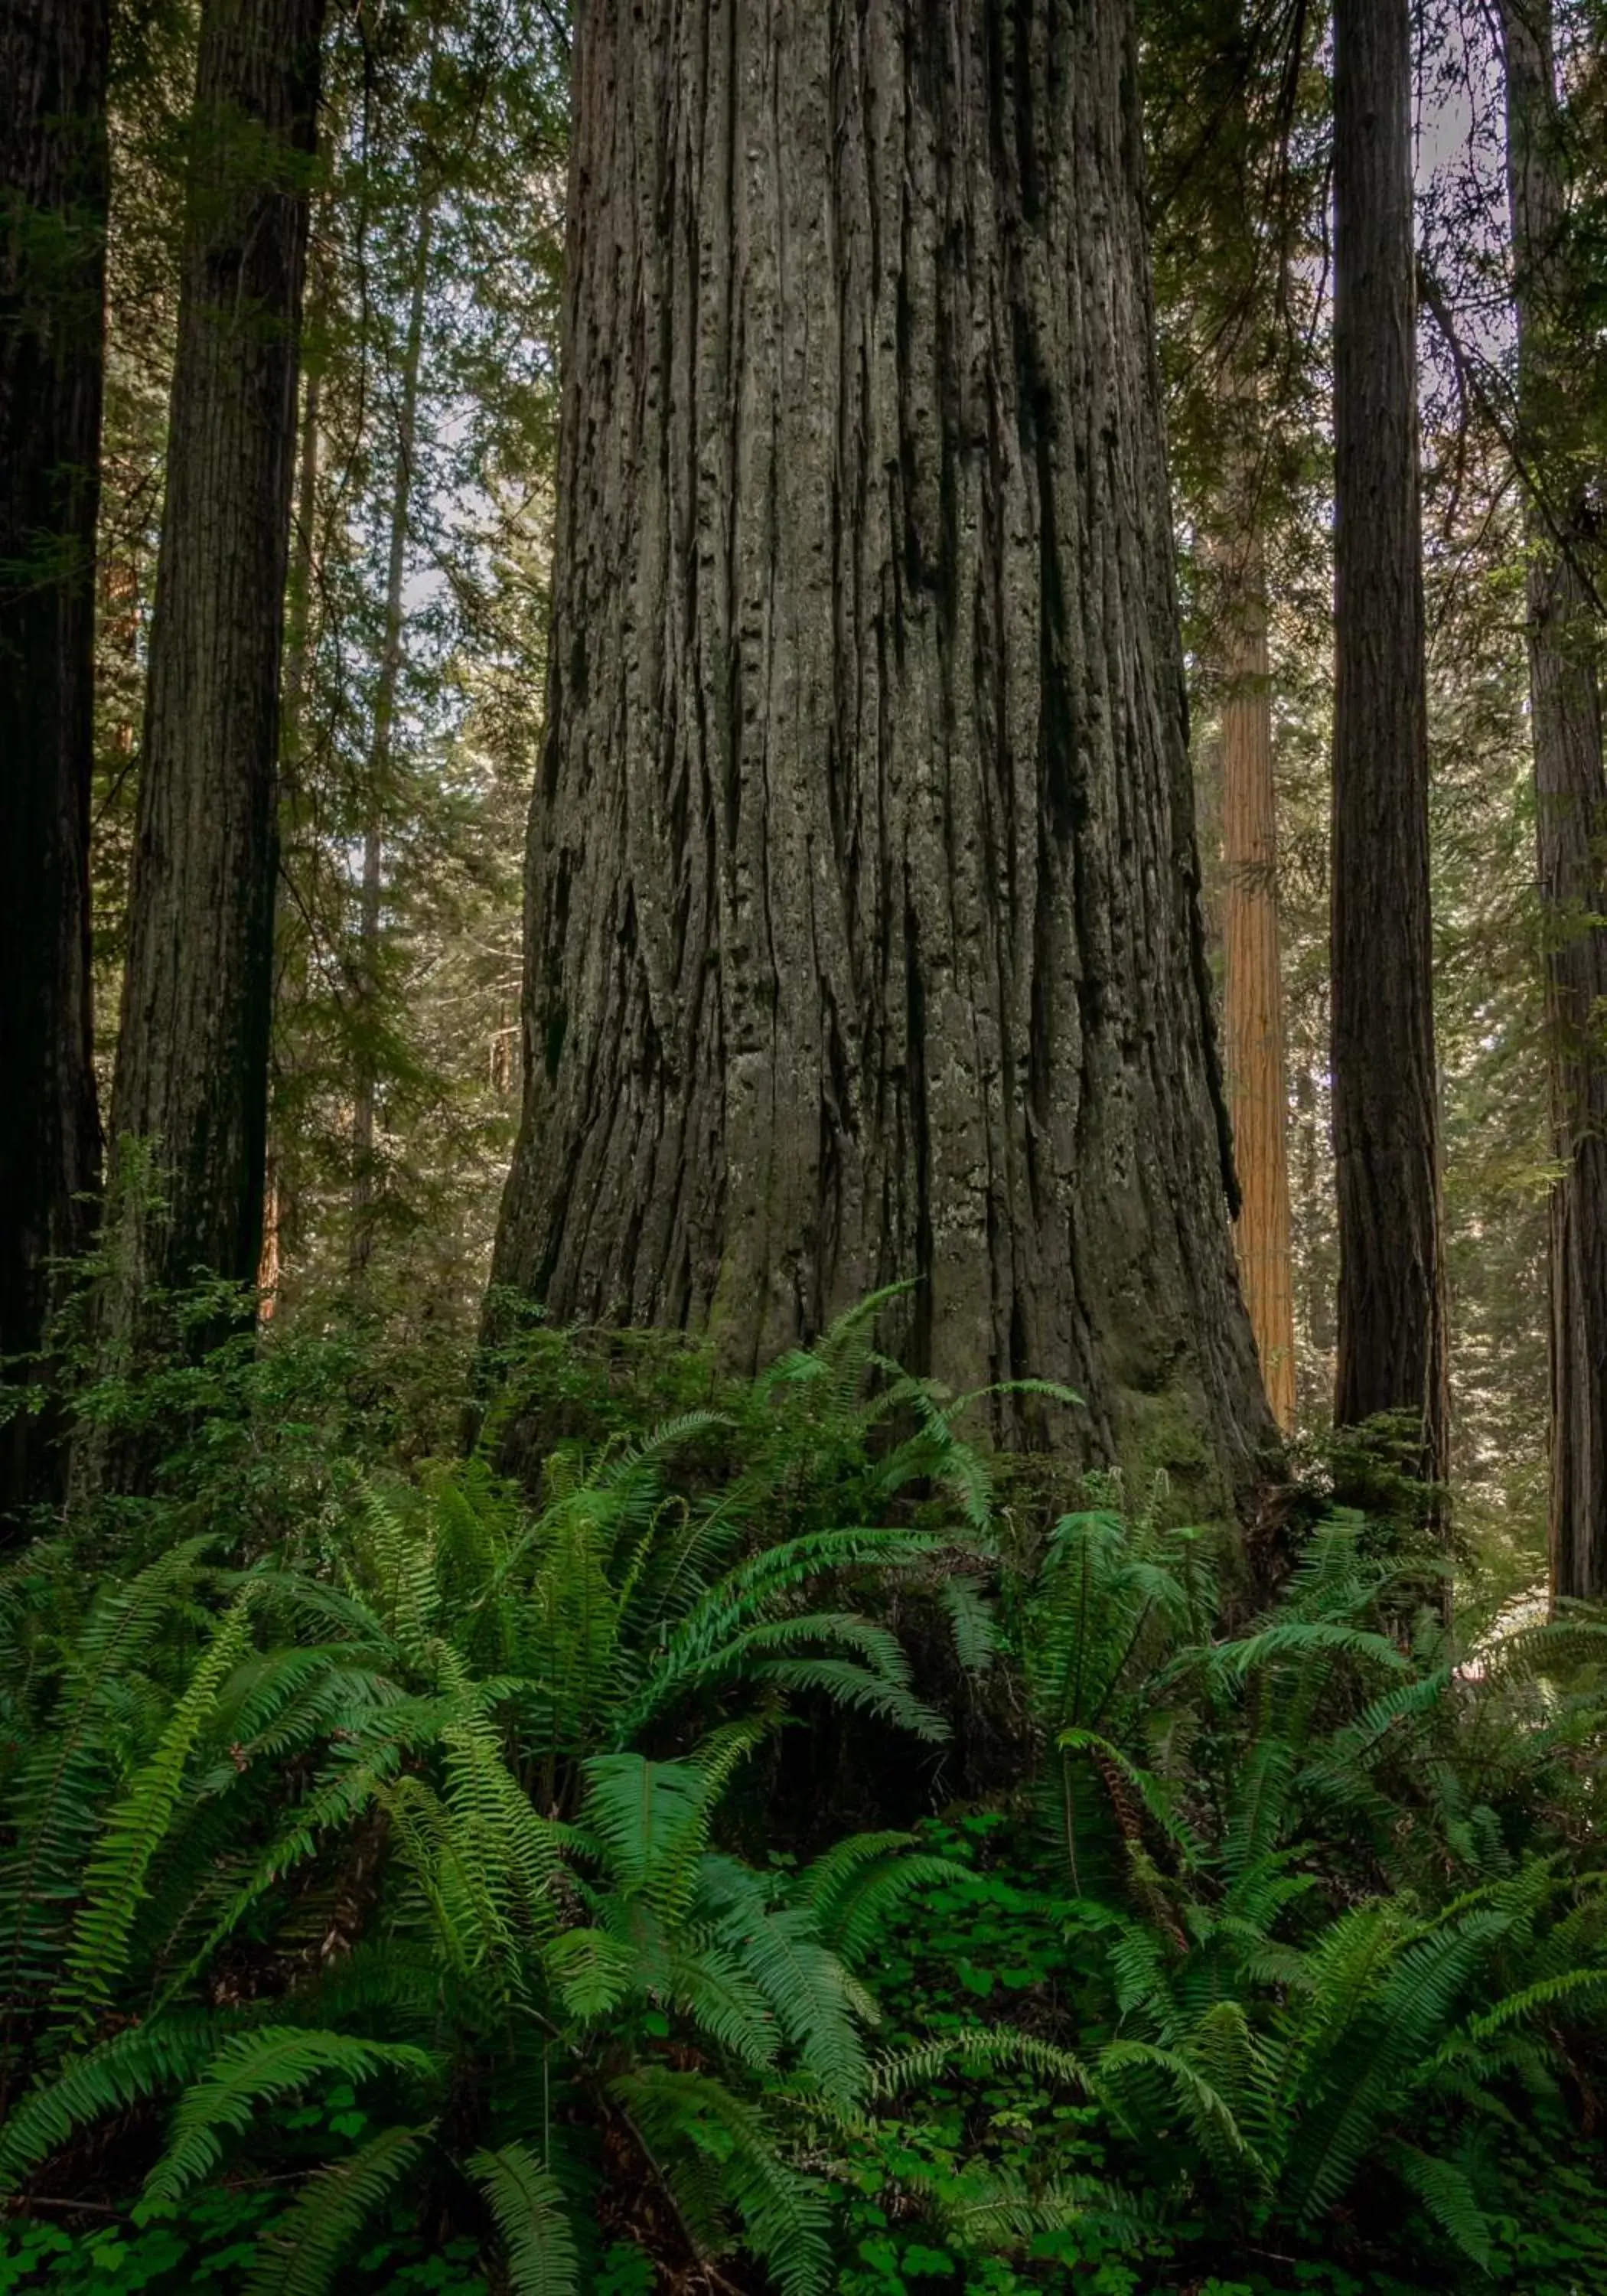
[[191, 1069], [1386, 1102], [863, 935], [1571, 805], [278, 1206], [53, 254], [367, 1094], [1253, 997]]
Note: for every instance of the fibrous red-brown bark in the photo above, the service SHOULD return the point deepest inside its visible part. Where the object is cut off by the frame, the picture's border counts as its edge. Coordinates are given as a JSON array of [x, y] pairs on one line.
[[863, 930], [1253, 997]]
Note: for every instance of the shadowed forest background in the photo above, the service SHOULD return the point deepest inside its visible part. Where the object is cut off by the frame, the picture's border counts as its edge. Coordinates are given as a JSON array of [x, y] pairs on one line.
[[803, 1193], [414, 671]]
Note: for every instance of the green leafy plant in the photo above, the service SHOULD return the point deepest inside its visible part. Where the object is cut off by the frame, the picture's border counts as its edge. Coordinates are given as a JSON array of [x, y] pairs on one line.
[[1314, 1924], [435, 1822]]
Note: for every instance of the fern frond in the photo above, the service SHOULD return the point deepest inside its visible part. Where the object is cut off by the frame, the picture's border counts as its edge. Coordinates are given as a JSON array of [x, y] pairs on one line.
[[256, 2069], [806, 1985], [532, 2217], [591, 1972], [302, 2251], [130, 2068], [855, 1888], [975, 2047], [972, 1622], [783, 2214], [858, 1690], [136, 1828], [1302, 1639], [1447, 2193]]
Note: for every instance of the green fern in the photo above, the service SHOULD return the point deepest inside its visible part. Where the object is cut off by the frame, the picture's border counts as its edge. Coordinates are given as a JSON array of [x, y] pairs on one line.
[[303, 2251], [691, 2122], [256, 2069], [532, 2218], [129, 2069]]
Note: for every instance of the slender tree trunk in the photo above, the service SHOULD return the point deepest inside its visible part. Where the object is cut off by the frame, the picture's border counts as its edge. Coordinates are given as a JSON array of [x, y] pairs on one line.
[[863, 935], [52, 256], [379, 764], [1571, 794], [1253, 1003], [298, 614], [191, 1069], [1386, 1114], [277, 1212]]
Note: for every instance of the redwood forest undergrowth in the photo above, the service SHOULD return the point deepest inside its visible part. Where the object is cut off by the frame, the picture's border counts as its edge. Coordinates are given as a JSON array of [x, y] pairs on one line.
[[768, 1843], [803, 1147]]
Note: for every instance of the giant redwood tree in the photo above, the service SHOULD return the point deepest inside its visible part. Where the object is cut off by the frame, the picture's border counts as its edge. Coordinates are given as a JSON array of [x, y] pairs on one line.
[[53, 254], [863, 926], [191, 1066], [1570, 787], [1386, 1120]]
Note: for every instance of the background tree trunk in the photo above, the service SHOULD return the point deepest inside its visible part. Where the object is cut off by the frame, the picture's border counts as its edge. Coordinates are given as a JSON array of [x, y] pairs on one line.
[[1571, 805], [863, 932], [278, 1207], [192, 1067], [1386, 1104], [1254, 1001], [53, 260], [364, 1097]]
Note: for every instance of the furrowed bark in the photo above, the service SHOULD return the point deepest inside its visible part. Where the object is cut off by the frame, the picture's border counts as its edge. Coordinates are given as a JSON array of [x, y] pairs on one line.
[[54, 59], [1392, 1352], [192, 1067], [1571, 805], [863, 935]]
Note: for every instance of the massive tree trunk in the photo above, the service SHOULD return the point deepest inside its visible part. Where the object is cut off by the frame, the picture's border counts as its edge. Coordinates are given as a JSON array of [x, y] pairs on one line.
[[192, 1067], [53, 228], [1571, 793], [863, 927], [1386, 1101]]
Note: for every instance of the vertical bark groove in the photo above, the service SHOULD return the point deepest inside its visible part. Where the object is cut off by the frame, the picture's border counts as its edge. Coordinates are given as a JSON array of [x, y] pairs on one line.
[[863, 932]]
